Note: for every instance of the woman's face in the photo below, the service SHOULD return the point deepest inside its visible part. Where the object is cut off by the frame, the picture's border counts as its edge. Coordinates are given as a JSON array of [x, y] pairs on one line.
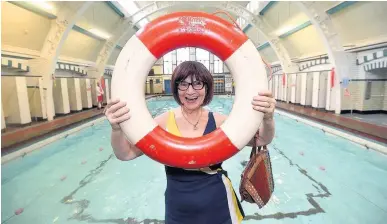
[[191, 92]]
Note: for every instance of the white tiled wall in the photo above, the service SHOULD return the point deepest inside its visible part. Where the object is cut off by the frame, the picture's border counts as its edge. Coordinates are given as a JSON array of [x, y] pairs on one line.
[[357, 101], [377, 96]]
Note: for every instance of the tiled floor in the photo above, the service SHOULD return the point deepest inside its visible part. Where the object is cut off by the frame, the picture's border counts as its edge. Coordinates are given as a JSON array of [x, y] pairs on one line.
[[378, 119]]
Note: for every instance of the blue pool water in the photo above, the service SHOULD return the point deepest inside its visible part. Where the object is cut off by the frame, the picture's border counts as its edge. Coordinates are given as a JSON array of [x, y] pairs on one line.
[[319, 178]]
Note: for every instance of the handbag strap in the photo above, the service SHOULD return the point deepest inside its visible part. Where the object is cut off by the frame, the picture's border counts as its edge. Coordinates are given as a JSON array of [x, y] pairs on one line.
[[256, 149]]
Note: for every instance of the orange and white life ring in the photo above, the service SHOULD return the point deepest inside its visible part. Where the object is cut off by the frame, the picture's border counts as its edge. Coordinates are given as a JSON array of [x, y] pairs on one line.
[[189, 29]]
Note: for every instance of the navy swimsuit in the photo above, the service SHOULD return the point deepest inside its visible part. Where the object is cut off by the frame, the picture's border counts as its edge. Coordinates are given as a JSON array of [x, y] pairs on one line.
[[198, 197]]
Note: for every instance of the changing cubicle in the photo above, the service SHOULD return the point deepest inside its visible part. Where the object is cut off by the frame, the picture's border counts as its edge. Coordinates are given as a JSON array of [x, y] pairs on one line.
[[271, 83], [74, 94], [292, 84], [93, 85], [294, 81], [306, 88], [110, 88], [284, 81], [61, 96], [106, 90], [320, 81], [85, 90], [14, 96], [309, 89], [276, 93], [281, 88], [36, 98], [298, 88]]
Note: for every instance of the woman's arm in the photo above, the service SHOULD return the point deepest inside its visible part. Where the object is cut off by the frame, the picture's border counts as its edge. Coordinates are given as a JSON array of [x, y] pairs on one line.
[[100, 90], [266, 132], [123, 149]]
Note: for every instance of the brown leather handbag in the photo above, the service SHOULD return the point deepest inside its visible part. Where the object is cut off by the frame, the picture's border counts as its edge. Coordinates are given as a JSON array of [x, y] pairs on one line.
[[257, 184]]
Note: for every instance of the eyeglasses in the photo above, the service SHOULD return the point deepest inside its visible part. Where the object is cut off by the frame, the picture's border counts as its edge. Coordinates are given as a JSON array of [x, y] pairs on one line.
[[196, 85]]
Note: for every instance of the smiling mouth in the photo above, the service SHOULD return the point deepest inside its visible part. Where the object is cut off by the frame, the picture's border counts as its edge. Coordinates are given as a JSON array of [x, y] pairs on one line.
[[191, 99]]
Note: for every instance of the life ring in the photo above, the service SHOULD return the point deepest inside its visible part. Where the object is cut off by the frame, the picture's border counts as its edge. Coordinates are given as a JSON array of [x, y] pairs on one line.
[[189, 29]]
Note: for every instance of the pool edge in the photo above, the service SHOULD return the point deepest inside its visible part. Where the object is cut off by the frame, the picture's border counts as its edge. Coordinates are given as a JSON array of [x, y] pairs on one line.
[[361, 141], [22, 152]]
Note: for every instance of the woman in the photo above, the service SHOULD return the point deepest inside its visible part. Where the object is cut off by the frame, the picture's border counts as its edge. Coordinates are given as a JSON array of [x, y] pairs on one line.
[[100, 93], [193, 196]]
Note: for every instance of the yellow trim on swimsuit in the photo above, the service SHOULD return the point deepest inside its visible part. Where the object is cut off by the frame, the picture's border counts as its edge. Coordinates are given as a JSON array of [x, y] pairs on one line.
[[171, 124]]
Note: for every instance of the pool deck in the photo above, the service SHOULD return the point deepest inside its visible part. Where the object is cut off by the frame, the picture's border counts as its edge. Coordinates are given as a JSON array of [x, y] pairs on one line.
[[16, 137], [346, 122]]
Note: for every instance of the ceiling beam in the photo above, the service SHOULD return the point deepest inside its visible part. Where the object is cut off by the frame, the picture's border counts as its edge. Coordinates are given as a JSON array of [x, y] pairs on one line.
[[267, 7], [87, 33], [340, 7], [296, 29], [115, 9]]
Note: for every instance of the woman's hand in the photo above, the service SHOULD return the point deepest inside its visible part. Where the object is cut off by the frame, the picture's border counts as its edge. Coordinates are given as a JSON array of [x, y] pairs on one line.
[[116, 112], [264, 103]]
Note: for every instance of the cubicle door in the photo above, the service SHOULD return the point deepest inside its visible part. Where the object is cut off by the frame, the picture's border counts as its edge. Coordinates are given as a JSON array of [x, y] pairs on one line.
[[272, 85], [151, 86], [316, 89], [293, 87], [289, 87], [93, 84], [167, 86], [303, 88], [322, 93], [298, 87], [309, 89], [106, 97], [280, 89], [275, 86], [283, 86], [74, 94]]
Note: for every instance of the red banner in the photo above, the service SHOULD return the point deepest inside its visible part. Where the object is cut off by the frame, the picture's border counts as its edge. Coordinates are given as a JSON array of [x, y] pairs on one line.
[[102, 82]]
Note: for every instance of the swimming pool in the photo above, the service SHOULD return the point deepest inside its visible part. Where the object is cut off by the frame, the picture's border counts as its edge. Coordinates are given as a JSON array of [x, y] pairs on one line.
[[319, 178]]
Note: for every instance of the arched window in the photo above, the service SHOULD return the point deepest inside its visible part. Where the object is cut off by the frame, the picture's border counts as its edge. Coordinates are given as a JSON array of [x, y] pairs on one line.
[[203, 57], [168, 63], [182, 55], [218, 65]]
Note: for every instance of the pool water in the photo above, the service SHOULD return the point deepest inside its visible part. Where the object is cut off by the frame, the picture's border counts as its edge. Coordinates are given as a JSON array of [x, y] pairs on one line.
[[319, 178]]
